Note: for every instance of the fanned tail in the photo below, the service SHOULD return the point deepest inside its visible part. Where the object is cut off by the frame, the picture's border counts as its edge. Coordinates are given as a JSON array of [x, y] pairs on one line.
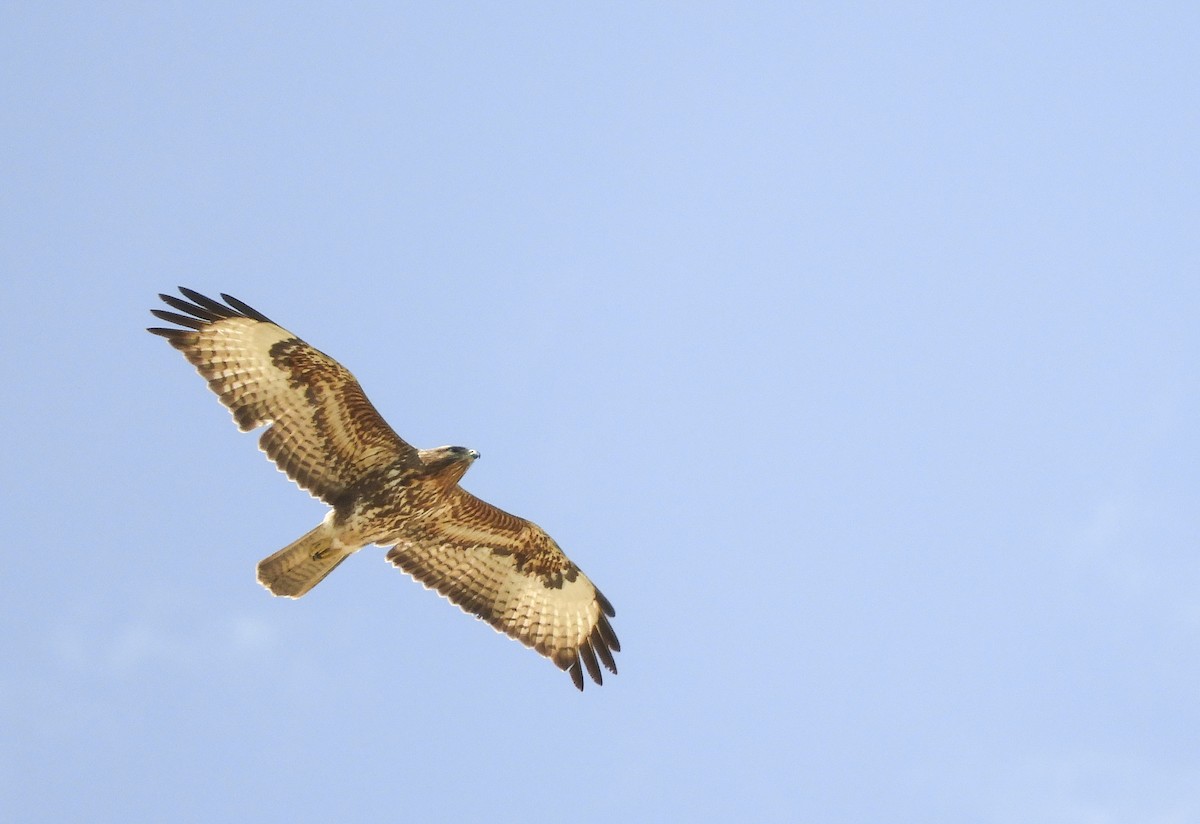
[[301, 565]]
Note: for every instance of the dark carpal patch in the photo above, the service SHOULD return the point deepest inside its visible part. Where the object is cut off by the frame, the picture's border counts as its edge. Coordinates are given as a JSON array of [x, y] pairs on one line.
[[324, 433]]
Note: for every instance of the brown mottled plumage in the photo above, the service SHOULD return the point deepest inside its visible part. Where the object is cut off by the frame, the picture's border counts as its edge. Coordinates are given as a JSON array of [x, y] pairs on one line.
[[324, 433]]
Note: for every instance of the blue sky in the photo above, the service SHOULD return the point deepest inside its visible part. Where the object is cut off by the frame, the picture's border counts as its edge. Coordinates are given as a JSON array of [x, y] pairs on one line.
[[850, 348]]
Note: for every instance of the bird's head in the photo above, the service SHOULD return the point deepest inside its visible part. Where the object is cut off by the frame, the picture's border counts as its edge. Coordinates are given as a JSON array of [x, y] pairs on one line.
[[449, 462]]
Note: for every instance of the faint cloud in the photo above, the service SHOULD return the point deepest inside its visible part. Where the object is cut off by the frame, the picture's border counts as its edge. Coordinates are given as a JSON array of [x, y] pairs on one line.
[[1099, 788], [1100, 546], [1141, 551], [161, 636], [85, 669], [144, 645], [252, 634]]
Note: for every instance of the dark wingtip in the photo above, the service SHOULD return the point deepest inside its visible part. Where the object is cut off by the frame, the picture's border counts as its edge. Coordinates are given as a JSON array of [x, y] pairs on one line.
[[194, 309], [204, 310], [608, 635], [182, 320], [576, 674], [245, 309], [601, 648], [205, 302], [589, 661]]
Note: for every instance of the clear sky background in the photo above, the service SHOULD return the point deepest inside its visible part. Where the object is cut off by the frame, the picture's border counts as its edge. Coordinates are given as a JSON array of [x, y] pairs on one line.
[[851, 348]]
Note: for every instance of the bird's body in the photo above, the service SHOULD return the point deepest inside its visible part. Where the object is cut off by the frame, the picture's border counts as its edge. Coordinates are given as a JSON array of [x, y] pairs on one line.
[[324, 433]]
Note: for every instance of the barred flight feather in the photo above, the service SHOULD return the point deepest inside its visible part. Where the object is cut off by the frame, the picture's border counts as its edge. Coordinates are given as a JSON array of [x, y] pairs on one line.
[[323, 432]]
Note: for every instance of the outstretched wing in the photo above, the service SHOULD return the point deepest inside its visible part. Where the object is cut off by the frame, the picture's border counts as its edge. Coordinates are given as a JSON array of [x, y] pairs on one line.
[[323, 432], [509, 572]]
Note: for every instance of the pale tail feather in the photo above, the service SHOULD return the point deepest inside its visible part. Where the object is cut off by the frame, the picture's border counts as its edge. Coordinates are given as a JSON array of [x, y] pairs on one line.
[[301, 565]]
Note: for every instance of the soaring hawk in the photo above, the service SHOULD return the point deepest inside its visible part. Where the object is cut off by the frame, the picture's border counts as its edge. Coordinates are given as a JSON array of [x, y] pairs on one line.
[[324, 433]]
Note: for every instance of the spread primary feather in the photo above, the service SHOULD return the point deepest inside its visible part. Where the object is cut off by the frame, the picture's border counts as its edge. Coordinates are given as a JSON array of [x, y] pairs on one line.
[[327, 436]]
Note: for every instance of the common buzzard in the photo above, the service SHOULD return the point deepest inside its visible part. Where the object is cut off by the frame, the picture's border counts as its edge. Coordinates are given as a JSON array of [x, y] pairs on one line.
[[324, 433]]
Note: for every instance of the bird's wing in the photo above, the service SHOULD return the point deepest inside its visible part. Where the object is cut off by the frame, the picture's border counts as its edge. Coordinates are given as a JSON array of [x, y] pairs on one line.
[[509, 572], [323, 431]]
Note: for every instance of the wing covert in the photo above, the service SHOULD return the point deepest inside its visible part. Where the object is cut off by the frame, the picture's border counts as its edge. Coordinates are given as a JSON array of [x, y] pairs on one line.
[[509, 572], [324, 432]]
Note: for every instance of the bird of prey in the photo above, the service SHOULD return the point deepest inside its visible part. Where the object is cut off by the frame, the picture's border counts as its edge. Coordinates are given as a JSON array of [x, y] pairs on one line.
[[328, 438]]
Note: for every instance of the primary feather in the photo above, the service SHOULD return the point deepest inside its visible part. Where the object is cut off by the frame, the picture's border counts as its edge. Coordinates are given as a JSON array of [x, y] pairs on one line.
[[328, 437]]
